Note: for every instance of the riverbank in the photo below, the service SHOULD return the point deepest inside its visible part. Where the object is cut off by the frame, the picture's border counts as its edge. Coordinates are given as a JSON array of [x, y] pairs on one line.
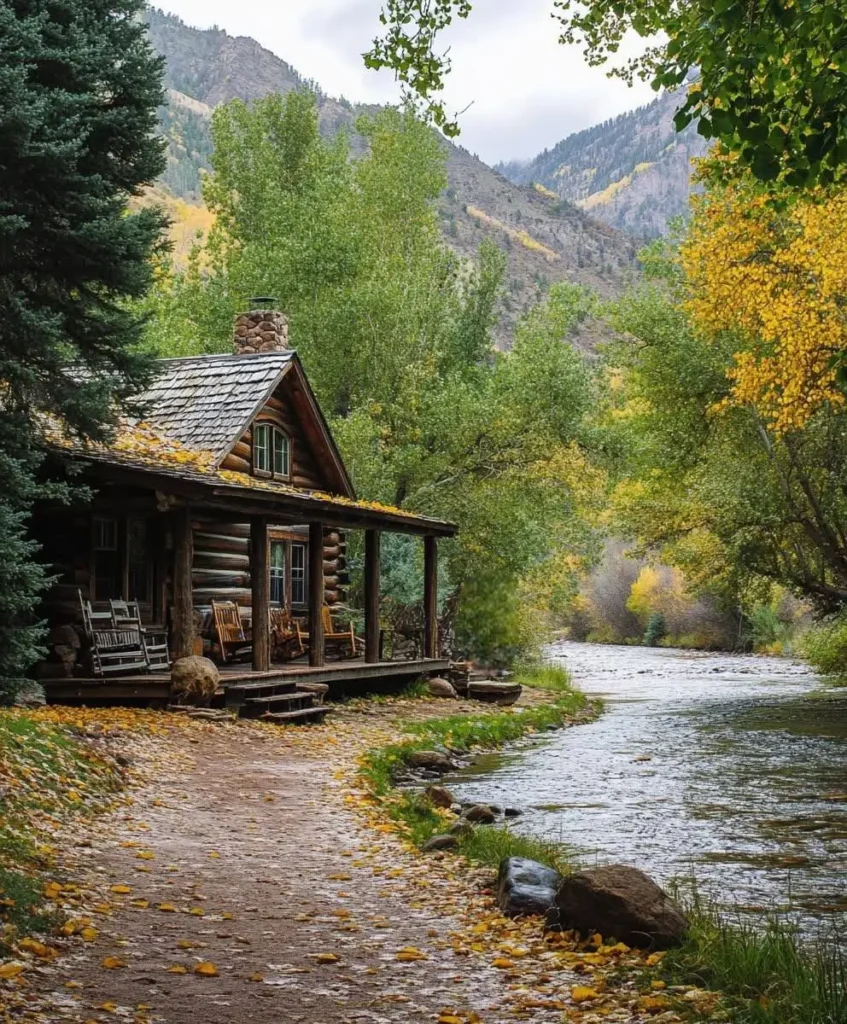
[[247, 872]]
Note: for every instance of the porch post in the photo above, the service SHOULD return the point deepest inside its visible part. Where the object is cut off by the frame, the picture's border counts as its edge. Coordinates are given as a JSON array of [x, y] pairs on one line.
[[372, 538], [260, 585], [182, 618], [430, 597], [316, 594]]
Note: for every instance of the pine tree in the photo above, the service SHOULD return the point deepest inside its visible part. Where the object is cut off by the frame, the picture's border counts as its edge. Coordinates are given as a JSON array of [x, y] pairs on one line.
[[79, 88]]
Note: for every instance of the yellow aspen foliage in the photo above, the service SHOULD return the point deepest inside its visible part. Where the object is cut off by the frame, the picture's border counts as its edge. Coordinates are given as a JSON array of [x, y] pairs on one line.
[[775, 274]]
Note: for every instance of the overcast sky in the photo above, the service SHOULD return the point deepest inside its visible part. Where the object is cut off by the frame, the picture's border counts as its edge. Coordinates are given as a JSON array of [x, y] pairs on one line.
[[525, 91]]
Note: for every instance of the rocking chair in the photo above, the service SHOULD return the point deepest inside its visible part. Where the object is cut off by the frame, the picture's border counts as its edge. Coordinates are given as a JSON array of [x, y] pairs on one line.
[[126, 614], [342, 639], [112, 650], [287, 639], [232, 639]]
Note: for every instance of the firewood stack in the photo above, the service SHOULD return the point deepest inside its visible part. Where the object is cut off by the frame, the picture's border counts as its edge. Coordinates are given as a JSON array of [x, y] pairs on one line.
[[64, 654], [260, 330]]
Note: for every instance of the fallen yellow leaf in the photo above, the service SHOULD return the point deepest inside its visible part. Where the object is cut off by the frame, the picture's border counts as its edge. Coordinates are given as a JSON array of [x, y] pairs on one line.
[[327, 958], [581, 994], [11, 970], [257, 976], [146, 855], [410, 953], [89, 934], [167, 908], [111, 962], [121, 890], [197, 911], [108, 1007], [177, 969], [207, 969], [503, 963]]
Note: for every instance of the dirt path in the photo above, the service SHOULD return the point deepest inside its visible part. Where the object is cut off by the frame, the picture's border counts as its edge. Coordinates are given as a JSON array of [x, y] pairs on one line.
[[245, 850]]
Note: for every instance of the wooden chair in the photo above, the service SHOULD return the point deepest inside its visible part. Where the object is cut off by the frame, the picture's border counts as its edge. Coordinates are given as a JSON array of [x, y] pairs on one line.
[[127, 614], [233, 640], [112, 650], [287, 639], [342, 638]]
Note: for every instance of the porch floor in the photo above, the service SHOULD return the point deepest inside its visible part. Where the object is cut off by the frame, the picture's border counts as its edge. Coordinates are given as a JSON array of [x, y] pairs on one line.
[[154, 687]]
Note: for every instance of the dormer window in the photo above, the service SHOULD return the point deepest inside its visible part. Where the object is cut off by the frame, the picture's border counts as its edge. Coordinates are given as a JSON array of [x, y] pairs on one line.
[[271, 451]]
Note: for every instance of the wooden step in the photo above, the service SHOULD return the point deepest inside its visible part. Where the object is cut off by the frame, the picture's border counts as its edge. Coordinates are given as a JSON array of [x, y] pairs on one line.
[[261, 688], [277, 702], [303, 716]]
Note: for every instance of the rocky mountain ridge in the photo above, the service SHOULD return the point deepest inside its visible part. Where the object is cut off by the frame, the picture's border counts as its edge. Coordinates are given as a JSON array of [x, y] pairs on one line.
[[545, 239], [633, 171]]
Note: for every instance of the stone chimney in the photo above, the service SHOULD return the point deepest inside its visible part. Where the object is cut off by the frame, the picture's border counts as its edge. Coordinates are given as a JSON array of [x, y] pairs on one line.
[[260, 330]]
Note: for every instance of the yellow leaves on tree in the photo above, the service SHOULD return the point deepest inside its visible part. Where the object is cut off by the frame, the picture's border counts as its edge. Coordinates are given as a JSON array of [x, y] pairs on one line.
[[776, 277]]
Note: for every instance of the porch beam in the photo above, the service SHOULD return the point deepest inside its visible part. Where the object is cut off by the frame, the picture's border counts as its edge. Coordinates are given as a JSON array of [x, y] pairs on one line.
[[372, 539], [316, 595], [430, 597], [182, 615], [260, 585]]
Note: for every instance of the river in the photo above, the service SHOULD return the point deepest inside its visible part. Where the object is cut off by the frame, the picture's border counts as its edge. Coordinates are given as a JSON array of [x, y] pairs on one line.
[[729, 770]]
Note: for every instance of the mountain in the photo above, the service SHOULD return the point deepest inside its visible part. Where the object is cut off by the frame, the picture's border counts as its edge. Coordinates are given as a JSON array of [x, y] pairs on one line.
[[545, 239], [632, 171]]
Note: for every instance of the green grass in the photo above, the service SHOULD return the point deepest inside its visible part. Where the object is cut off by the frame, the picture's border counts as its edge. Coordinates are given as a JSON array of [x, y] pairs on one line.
[[767, 974], [545, 676], [463, 733], [46, 774], [491, 845]]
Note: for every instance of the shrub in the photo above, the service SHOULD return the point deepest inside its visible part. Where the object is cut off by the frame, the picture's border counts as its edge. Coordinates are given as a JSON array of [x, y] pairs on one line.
[[825, 646], [656, 631]]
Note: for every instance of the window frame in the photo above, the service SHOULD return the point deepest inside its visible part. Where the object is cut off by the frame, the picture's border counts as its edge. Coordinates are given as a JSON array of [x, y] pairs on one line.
[[274, 435], [279, 572], [298, 573]]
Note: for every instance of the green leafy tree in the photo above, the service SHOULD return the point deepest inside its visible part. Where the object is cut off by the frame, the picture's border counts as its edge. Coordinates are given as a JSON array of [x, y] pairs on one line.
[[395, 333], [772, 74], [79, 88], [715, 490]]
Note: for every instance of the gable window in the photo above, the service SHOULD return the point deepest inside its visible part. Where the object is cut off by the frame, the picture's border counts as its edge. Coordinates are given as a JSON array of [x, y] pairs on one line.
[[271, 451]]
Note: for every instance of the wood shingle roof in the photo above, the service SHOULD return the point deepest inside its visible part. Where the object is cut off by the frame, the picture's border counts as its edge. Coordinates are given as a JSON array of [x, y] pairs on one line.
[[205, 402]]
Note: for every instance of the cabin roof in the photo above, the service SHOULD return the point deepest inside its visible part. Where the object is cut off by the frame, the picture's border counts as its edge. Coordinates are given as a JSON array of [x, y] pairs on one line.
[[206, 402]]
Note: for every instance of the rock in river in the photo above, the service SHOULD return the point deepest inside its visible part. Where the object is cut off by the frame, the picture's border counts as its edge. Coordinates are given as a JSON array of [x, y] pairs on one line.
[[621, 902], [431, 760], [526, 887], [481, 814], [439, 796]]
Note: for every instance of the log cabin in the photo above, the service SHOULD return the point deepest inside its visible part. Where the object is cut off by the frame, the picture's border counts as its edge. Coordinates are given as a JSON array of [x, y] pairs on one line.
[[229, 488]]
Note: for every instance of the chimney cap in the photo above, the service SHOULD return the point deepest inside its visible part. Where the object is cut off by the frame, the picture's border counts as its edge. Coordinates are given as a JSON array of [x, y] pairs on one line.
[[264, 302]]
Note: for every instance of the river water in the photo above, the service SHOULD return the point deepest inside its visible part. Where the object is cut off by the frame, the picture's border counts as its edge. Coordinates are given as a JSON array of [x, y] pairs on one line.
[[729, 770]]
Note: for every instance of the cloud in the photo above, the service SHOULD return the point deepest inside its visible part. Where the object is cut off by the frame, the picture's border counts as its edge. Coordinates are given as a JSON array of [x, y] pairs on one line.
[[522, 90]]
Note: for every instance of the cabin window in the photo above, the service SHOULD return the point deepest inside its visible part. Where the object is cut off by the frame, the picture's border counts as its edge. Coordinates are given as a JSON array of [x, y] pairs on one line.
[[139, 562], [277, 570], [298, 574], [282, 453], [107, 563], [262, 448], [271, 450]]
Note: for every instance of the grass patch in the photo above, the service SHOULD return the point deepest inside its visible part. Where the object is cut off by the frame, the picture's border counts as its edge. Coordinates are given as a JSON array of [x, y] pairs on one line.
[[490, 845], [768, 975], [46, 775], [545, 676]]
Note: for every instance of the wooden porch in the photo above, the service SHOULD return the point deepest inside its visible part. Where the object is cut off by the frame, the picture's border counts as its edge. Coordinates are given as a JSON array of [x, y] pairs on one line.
[[239, 683]]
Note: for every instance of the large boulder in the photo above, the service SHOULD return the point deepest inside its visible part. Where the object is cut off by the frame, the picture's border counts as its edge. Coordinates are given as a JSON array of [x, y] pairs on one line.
[[526, 887], [430, 760], [621, 902], [194, 679], [438, 687]]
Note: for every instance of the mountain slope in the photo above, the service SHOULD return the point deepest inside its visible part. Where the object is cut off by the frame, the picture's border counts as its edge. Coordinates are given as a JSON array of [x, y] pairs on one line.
[[632, 171], [545, 240]]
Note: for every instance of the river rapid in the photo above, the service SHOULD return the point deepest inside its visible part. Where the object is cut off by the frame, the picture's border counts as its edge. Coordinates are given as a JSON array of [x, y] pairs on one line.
[[728, 770]]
